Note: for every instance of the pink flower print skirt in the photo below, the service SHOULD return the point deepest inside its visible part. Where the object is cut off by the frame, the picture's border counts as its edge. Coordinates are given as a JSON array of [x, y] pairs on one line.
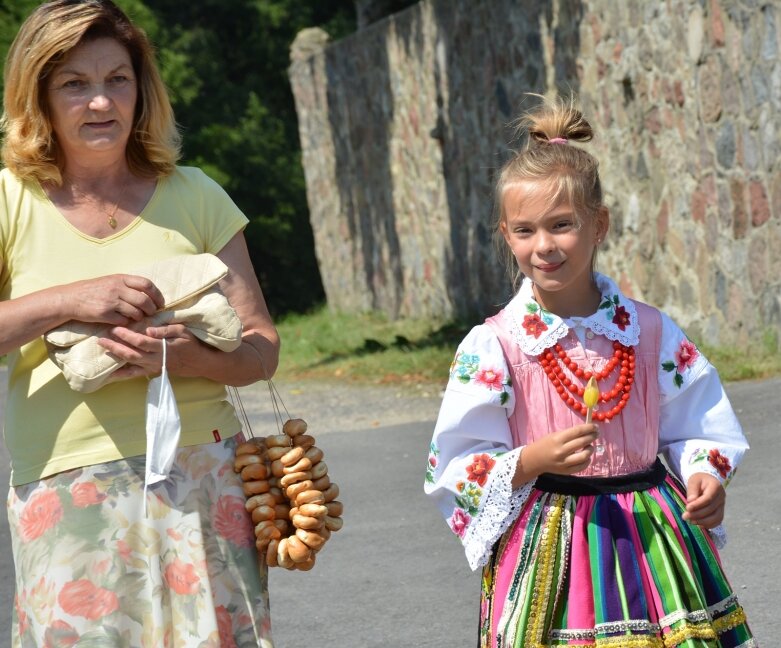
[[91, 568]]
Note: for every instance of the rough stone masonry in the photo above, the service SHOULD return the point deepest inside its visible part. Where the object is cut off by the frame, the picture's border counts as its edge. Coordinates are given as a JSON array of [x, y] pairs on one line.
[[404, 124]]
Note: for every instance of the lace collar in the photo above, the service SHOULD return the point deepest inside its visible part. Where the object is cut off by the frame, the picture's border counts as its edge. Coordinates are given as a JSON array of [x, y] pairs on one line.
[[534, 329]]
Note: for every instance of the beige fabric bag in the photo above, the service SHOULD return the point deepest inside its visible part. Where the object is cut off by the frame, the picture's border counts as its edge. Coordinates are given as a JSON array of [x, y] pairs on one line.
[[191, 295]]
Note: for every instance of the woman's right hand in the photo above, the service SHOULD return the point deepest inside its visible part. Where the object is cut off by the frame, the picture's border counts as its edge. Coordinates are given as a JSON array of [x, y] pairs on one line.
[[117, 299], [565, 452]]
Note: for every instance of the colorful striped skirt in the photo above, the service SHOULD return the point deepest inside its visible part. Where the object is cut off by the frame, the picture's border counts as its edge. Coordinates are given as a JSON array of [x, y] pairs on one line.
[[93, 570], [617, 566]]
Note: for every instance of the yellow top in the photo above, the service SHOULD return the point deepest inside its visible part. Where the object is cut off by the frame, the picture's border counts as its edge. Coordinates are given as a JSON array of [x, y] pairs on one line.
[[49, 427]]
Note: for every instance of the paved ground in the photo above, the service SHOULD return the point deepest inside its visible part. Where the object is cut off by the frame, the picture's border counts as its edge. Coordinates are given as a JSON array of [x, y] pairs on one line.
[[395, 576]]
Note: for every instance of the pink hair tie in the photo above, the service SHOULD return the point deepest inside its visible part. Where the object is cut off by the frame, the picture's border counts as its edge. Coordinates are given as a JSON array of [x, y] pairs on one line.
[[558, 140]]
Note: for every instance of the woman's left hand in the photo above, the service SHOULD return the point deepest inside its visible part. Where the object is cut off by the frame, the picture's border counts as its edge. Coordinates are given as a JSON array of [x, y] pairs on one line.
[[142, 350], [705, 500]]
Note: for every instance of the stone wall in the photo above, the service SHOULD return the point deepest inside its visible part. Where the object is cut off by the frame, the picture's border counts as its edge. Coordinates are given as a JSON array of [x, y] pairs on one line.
[[404, 124]]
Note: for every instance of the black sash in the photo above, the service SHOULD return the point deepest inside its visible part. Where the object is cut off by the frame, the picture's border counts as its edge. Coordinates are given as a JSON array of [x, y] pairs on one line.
[[569, 485]]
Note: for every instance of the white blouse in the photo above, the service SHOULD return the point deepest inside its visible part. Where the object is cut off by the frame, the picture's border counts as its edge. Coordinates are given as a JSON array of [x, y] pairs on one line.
[[472, 434]]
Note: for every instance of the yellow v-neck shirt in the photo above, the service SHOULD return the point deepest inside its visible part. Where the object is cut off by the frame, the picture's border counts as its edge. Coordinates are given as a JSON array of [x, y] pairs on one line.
[[49, 427]]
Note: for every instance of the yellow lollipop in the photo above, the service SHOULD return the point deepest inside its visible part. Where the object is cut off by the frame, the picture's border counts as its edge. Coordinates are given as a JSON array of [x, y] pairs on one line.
[[590, 397]]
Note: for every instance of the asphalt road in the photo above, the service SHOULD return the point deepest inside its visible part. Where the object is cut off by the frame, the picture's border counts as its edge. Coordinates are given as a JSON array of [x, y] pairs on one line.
[[395, 576]]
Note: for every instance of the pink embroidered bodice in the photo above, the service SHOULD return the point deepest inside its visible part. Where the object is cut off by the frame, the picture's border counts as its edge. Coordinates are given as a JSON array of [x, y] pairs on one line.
[[630, 439]]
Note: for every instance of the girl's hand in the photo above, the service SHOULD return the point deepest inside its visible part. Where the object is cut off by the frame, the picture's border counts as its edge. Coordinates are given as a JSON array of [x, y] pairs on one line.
[[563, 453], [117, 299], [705, 501]]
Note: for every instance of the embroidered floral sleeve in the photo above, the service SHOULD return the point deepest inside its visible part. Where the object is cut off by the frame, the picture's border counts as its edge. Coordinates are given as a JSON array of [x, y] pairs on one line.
[[471, 461], [698, 430]]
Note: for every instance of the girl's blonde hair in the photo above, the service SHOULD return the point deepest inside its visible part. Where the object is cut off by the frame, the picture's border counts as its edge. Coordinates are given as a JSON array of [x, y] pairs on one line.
[[30, 146], [547, 156]]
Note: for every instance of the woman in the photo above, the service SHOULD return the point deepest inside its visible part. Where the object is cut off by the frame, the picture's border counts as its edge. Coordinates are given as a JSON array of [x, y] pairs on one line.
[[90, 191]]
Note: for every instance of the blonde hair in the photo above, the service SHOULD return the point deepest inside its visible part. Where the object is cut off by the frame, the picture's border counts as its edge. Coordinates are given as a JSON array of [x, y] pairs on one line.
[[547, 156], [30, 147]]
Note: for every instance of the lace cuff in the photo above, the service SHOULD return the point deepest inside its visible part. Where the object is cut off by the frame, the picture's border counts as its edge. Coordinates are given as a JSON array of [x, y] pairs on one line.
[[500, 508]]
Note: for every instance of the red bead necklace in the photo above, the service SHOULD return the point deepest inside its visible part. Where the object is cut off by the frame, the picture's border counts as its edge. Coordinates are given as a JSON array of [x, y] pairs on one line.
[[623, 356]]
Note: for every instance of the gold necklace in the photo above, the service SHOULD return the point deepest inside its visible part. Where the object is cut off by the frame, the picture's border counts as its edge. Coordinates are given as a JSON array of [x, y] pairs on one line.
[[112, 213]]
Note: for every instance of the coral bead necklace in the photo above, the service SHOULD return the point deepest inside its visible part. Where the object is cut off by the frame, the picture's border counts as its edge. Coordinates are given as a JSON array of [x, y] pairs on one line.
[[623, 359]]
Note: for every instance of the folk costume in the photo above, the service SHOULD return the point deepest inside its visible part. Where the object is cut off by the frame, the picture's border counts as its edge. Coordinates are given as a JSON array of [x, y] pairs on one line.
[[602, 558]]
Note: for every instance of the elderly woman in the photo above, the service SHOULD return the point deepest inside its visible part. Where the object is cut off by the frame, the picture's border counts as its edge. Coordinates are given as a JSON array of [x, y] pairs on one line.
[[91, 191]]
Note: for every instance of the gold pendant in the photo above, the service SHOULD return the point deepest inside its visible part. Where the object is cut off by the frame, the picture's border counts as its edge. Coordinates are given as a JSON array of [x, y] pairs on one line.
[[112, 222]]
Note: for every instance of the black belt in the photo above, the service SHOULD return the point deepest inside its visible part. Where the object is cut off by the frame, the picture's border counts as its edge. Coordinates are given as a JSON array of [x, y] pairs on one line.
[[569, 485]]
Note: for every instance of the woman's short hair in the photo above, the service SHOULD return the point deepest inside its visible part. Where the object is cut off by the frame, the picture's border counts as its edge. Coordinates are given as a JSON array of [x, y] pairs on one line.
[[30, 148]]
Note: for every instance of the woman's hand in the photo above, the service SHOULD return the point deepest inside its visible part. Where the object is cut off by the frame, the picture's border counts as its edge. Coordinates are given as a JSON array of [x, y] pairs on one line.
[[562, 453], [117, 299], [706, 498], [141, 348]]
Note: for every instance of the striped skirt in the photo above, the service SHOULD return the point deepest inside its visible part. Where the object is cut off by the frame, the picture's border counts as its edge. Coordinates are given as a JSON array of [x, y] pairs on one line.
[[617, 569], [92, 569]]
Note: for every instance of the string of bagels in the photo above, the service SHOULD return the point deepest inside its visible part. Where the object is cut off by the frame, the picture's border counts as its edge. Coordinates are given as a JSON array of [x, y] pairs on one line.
[[290, 496]]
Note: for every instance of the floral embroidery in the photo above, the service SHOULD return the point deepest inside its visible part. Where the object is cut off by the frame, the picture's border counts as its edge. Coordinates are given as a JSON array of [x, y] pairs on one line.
[[534, 325], [459, 522], [466, 368], [714, 457], [468, 498], [685, 357], [719, 462], [621, 319], [479, 469], [611, 307], [433, 462]]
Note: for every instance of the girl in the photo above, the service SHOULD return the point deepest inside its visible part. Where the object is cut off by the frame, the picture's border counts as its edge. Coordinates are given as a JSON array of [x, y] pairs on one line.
[[583, 537]]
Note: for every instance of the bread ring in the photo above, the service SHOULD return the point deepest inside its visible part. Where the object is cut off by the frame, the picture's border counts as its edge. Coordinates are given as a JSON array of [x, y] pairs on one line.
[[313, 510], [310, 497], [335, 508], [333, 523], [256, 446], [312, 539], [307, 564], [319, 470], [292, 478], [277, 452], [262, 513], [325, 532], [281, 524], [278, 441], [283, 557], [271, 553], [254, 471], [292, 456], [299, 487], [322, 484], [266, 499], [294, 427], [282, 511], [277, 468], [304, 441], [331, 493], [314, 454], [298, 551], [306, 522], [256, 487], [267, 533], [302, 465], [241, 461], [277, 493]]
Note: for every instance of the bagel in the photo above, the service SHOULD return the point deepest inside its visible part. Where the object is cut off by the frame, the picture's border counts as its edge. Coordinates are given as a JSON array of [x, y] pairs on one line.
[[298, 550], [333, 523], [304, 441], [241, 461], [262, 513], [278, 441], [319, 470], [255, 446], [292, 456], [256, 487], [312, 539], [271, 553], [314, 454], [310, 497], [307, 564], [335, 508], [265, 499], [313, 510], [292, 478], [322, 484], [254, 471], [277, 452], [293, 490], [302, 465], [294, 427], [306, 522], [331, 493]]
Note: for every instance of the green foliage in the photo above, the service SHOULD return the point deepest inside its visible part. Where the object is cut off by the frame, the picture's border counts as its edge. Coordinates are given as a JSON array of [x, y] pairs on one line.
[[225, 63]]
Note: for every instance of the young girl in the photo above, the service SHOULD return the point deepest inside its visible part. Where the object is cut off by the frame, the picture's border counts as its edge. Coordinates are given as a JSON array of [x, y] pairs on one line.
[[584, 537]]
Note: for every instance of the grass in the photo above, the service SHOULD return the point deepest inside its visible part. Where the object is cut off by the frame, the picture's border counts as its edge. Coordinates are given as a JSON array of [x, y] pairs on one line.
[[367, 348], [370, 349]]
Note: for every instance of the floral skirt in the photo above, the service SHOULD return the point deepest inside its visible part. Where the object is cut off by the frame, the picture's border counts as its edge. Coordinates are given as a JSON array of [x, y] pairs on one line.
[[92, 569], [619, 570]]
